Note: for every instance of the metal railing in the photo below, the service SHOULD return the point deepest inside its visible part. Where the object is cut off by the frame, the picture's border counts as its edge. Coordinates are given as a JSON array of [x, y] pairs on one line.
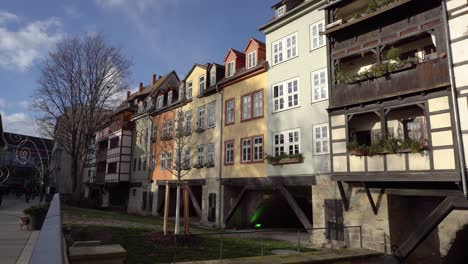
[[235, 244], [49, 245]]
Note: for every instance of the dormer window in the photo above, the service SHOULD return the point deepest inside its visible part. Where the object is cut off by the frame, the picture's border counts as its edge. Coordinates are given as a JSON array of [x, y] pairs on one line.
[[140, 107], [169, 98], [280, 11], [149, 103], [230, 70], [251, 59], [159, 101], [201, 84], [213, 76]]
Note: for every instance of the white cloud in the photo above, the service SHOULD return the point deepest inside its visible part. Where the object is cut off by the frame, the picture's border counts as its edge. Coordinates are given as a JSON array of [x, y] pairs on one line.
[[20, 123], [72, 11], [6, 17], [21, 47], [3, 104], [24, 104]]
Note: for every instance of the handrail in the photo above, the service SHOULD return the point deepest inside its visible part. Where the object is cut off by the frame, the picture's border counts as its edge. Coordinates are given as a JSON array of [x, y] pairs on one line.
[[49, 245]]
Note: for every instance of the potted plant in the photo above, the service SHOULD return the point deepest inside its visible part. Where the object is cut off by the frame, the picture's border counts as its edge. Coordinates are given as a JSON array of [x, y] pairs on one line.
[[209, 164], [284, 158], [198, 166], [200, 130], [37, 214]]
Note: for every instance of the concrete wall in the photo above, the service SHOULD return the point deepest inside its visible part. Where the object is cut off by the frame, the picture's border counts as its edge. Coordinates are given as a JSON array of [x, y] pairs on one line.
[[308, 113]]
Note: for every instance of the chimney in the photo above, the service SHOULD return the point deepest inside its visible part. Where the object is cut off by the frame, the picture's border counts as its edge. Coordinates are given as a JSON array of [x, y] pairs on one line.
[[128, 94], [140, 87], [154, 79], [159, 78]]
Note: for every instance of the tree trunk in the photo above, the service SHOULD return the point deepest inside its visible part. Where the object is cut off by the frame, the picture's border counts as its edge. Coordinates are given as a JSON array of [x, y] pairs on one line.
[[186, 210], [177, 212], [166, 208]]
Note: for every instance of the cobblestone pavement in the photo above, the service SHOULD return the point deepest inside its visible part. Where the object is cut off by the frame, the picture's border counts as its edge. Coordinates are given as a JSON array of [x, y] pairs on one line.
[[13, 240]]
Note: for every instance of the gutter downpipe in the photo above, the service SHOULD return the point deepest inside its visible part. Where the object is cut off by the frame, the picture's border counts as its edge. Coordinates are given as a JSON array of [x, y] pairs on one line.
[[461, 154], [220, 158]]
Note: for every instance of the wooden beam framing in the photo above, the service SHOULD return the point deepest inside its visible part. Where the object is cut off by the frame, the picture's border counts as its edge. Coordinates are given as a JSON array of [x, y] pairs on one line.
[[236, 204], [297, 210], [194, 201], [371, 200], [343, 196], [428, 225]]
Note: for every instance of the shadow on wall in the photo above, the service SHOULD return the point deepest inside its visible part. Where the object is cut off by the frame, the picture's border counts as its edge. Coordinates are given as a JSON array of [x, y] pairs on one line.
[[458, 252]]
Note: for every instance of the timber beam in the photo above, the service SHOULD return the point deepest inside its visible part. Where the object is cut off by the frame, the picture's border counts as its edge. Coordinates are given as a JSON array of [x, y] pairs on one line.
[[343, 195], [236, 204], [297, 210], [194, 201]]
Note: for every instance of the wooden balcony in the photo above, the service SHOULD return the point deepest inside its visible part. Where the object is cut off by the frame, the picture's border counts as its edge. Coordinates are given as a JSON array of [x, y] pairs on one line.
[[421, 77]]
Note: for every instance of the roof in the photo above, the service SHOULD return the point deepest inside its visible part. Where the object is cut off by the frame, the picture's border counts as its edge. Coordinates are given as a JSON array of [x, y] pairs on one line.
[[291, 12], [260, 43], [238, 53], [242, 73], [31, 143], [215, 64], [281, 2], [161, 81], [205, 66]]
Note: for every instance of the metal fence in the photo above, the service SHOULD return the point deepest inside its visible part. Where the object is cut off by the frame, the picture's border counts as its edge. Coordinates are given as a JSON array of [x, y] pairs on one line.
[[235, 244]]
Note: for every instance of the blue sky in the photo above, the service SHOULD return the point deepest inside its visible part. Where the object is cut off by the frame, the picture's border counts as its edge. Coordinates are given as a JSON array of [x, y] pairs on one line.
[[157, 35]]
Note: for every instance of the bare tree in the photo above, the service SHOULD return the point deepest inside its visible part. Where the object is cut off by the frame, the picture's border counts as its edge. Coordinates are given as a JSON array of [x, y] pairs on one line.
[[176, 148], [81, 80]]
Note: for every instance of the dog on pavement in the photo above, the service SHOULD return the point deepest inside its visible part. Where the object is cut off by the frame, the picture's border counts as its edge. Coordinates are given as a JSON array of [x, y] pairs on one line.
[[24, 222]]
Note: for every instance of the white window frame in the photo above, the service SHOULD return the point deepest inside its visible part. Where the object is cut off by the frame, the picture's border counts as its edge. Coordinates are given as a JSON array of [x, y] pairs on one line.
[[211, 115], [280, 11], [230, 69], [319, 84], [229, 152], [285, 49], [210, 153], [201, 154], [186, 161], [286, 141], [284, 94], [189, 90], [324, 142], [169, 97], [254, 106], [213, 76], [246, 107], [188, 121], [230, 111], [247, 150], [252, 59], [159, 101], [201, 84], [201, 117], [257, 149], [317, 40]]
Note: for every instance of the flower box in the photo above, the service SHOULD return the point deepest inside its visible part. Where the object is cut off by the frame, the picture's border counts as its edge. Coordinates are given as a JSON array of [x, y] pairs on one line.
[[198, 166], [200, 130]]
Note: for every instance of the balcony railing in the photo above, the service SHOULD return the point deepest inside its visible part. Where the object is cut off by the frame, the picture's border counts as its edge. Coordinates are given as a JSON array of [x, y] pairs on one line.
[[420, 77]]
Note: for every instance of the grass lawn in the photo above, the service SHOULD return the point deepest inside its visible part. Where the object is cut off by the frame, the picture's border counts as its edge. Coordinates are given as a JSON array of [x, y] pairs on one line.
[[202, 247], [131, 232]]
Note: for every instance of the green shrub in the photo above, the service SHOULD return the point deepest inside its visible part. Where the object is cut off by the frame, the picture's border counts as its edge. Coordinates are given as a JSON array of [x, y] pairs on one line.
[[40, 209]]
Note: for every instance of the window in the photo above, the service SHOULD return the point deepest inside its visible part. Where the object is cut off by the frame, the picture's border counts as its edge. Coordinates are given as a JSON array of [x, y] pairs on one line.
[[200, 155], [211, 114], [230, 69], [144, 163], [112, 167], [252, 149], [291, 95], [187, 157], [258, 104], [229, 152], [139, 163], [317, 40], [287, 142], [188, 121], [251, 59], [246, 150], [280, 11], [284, 49], [319, 85], [210, 153], [321, 139], [168, 128], [213, 76], [166, 161], [257, 148], [246, 107], [189, 90], [201, 84], [181, 91], [201, 117], [154, 131], [160, 101], [230, 114], [114, 143], [169, 98], [134, 164]]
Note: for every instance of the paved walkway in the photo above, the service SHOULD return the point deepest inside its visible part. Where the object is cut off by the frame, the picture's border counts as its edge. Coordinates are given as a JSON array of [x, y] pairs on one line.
[[15, 245]]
